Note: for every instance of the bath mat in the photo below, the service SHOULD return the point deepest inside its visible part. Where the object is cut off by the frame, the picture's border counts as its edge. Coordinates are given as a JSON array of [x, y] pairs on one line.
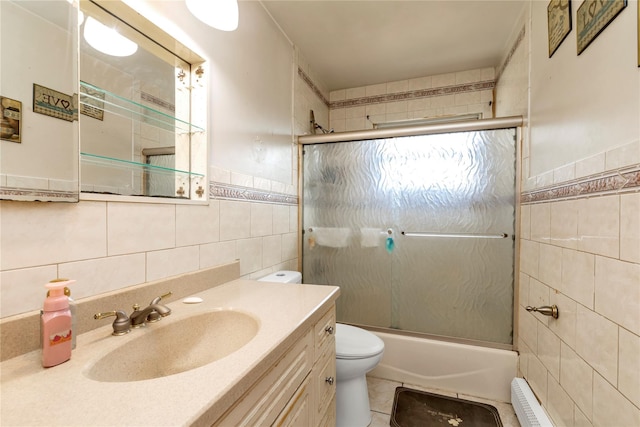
[[414, 408]]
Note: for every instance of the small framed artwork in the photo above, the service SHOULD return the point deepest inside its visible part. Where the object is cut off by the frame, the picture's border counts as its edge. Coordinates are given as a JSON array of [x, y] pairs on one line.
[[558, 23], [11, 115], [593, 17], [53, 103]]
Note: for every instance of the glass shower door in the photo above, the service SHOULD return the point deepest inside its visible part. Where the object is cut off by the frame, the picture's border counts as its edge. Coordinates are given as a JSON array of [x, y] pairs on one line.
[[413, 230]]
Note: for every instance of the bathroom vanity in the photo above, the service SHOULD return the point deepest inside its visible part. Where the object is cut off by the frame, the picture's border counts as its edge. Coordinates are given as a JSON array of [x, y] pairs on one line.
[[283, 375]]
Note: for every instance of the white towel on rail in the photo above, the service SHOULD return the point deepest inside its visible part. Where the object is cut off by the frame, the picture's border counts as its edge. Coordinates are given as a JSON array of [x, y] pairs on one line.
[[332, 237]]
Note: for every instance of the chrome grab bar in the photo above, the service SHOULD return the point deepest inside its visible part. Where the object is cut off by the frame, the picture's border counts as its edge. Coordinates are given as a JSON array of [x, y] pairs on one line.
[[464, 235]]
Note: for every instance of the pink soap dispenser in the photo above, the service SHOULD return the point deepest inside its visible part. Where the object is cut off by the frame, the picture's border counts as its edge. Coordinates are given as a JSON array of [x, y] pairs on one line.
[[56, 325]]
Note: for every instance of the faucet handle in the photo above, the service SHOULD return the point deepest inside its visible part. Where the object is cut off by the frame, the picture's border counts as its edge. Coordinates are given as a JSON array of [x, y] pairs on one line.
[[156, 300], [122, 324], [154, 316]]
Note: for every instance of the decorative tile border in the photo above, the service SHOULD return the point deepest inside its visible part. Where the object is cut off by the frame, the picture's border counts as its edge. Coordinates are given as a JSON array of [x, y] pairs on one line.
[[13, 193], [218, 190], [615, 182], [414, 94], [515, 47], [312, 85]]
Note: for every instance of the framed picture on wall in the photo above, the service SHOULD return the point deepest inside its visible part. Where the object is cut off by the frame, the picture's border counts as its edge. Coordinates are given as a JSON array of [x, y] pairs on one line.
[[593, 17], [558, 23], [10, 115]]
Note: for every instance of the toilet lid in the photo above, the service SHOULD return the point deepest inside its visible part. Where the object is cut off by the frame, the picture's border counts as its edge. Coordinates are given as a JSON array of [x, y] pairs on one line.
[[356, 343]]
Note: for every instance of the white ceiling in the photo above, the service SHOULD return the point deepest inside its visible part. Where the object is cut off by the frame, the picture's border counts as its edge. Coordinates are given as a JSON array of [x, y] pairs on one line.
[[356, 43]]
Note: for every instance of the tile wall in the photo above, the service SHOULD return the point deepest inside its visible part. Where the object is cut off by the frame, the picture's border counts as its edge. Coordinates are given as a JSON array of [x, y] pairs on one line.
[[580, 250], [431, 96]]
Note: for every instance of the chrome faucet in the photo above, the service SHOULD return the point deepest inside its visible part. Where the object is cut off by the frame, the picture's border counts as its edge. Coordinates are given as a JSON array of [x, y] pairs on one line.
[[152, 313]]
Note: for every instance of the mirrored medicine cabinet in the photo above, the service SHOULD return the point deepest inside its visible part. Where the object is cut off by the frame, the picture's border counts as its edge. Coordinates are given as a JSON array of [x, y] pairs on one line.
[[140, 126]]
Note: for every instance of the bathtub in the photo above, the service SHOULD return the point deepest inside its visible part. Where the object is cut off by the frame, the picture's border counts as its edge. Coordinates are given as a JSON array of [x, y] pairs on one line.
[[460, 368]]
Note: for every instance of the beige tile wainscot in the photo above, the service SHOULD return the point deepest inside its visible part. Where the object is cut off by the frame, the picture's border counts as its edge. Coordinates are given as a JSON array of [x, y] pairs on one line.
[[293, 349]]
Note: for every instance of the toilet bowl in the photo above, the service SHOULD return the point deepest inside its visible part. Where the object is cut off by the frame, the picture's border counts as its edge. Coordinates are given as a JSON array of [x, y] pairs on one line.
[[357, 352]]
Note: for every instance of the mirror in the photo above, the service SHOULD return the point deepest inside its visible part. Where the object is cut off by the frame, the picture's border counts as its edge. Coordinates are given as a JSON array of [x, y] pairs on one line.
[[39, 133], [142, 111]]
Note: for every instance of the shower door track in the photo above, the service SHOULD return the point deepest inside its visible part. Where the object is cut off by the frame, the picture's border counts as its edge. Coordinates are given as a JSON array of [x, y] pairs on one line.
[[466, 126], [424, 335]]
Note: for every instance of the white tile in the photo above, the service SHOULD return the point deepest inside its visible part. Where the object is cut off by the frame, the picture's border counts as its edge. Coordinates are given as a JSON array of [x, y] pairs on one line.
[[271, 250], [469, 76], [590, 166], [280, 219], [523, 293], [396, 107], [289, 246], [559, 404], [35, 234], [219, 253], [23, 290], [599, 225], [132, 230], [381, 394], [355, 112], [564, 224], [617, 293], [550, 268], [99, 275], [578, 276], [597, 343], [528, 329], [443, 80], [197, 224], [564, 173], [525, 222], [576, 378], [549, 350], [373, 90], [235, 220], [262, 183], [171, 262], [220, 175], [250, 255], [565, 325], [355, 124], [612, 408], [541, 222], [580, 419], [529, 257], [293, 219], [629, 377], [625, 155], [241, 179], [261, 219], [630, 227], [356, 92], [537, 379], [538, 297], [398, 86], [420, 83], [337, 95]]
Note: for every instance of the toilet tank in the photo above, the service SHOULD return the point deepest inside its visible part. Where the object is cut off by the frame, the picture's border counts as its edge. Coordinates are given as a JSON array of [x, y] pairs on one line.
[[283, 276]]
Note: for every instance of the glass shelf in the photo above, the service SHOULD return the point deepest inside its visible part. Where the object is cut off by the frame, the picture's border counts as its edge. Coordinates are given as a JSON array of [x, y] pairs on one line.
[[95, 98], [98, 160]]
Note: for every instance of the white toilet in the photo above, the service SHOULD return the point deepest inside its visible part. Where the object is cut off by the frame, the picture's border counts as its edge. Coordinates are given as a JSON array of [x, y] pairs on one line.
[[357, 352]]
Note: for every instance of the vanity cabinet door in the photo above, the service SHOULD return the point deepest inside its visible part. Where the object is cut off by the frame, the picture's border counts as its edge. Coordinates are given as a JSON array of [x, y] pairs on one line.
[[263, 403], [324, 378]]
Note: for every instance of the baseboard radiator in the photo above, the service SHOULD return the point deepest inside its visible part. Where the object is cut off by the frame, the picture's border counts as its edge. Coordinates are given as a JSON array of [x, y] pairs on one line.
[[526, 406]]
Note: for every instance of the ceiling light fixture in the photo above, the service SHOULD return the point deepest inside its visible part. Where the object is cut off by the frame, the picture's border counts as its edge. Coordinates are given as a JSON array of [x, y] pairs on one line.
[[220, 14], [106, 40]]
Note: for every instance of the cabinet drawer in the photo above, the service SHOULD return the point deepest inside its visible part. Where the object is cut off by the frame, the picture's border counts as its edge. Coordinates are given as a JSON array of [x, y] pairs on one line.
[[324, 332], [298, 412], [324, 374], [261, 404]]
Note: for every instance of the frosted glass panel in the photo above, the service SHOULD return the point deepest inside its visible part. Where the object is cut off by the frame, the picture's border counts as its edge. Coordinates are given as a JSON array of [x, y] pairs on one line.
[[450, 194]]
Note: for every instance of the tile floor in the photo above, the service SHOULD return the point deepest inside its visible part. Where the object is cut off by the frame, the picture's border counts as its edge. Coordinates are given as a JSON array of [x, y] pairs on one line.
[[381, 393]]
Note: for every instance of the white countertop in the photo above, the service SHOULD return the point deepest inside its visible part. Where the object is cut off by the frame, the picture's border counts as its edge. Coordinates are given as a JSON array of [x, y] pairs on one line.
[[64, 395]]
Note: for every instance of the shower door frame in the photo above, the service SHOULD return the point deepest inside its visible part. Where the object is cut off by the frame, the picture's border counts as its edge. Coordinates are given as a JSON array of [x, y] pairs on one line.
[[432, 129]]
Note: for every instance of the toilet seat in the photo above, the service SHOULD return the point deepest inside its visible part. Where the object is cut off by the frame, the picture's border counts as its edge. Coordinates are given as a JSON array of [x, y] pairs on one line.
[[356, 343]]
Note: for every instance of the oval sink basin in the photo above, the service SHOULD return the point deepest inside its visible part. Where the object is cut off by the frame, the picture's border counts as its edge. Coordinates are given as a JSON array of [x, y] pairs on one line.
[[180, 346]]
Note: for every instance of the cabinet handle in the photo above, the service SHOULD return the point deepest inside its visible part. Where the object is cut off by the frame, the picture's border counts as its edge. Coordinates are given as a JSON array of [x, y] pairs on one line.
[[329, 330], [329, 380]]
